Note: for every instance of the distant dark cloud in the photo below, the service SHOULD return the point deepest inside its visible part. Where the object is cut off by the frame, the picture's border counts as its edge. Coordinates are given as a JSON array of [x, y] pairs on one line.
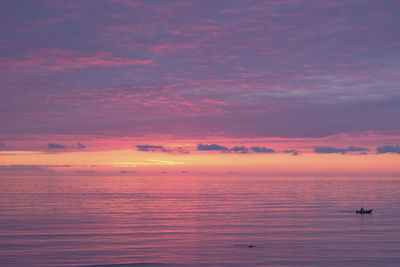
[[2, 145], [151, 148], [212, 147], [55, 146], [240, 149], [327, 150], [148, 147], [22, 167], [85, 172], [81, 146], [182, 150], [294, 152], [235, 149], [355, 149], [30, 167], [333, 150], [388, 149], [128, 171], [262, 149], [157, 148]]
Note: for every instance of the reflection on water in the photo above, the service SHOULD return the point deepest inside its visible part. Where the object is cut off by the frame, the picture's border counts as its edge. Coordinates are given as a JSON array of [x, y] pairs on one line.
[[195, 221]]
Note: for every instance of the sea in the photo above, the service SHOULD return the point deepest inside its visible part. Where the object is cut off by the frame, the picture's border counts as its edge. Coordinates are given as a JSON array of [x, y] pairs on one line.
[[198, 221]]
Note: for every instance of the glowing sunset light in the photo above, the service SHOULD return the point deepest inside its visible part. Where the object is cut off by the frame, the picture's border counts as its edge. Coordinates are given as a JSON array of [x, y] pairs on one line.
[[226, 87], [213, 162], [199, 133]]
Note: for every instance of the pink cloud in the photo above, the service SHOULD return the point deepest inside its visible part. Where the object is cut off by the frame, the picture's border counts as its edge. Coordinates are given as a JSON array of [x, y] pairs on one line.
[[59, 59]]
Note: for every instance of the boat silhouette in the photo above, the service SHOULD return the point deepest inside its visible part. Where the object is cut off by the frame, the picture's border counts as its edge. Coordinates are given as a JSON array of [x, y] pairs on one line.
[[362, 211]]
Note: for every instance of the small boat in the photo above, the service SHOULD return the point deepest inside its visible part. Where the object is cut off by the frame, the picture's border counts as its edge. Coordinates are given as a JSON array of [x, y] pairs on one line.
[[362, 211]]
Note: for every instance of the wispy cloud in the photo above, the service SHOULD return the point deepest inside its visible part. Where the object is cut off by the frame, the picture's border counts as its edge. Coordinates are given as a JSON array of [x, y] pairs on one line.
[[81, 146], [294, 152], [128, 172], [30, 167], [240, 149], [60, 60], [152, 148], [85, 171], [307, 71]]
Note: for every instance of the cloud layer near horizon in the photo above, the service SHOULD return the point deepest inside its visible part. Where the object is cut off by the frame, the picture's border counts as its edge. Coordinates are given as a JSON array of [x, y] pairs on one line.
[[331, 150], [388, 149], [199, 68], [235, 149], [151, 148], [55, 146]]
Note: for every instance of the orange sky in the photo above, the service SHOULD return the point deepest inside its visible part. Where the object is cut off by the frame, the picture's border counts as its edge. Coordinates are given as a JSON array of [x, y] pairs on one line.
[[200, 162]]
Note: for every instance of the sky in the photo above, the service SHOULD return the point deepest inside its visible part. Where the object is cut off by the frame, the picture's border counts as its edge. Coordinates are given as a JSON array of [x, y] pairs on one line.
[[268, 87]]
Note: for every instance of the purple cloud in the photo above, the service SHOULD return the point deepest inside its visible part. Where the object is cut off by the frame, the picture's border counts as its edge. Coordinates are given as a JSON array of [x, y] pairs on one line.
[[388, 149], [198, 68], [81, 146], [294, 152], [129, 172], [332, 150], [212, 147], [262, 149], [151, 148], [55, 146], [240, 149], [19, 167]]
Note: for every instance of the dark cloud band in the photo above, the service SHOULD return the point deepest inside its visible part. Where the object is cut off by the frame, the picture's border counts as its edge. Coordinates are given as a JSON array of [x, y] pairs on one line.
[[55, 146], [333, 150], [388, 149]]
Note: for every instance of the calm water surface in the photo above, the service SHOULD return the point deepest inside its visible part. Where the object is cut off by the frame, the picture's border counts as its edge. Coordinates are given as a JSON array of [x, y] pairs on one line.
[[55, 221]]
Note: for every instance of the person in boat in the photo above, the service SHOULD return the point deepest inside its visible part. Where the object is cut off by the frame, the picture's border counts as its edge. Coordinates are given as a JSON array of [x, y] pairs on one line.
[[362, 209]]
